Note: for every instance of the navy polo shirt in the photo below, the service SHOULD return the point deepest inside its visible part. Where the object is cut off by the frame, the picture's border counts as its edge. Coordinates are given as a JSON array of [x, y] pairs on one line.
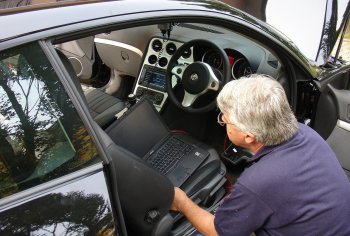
[[295, 188]]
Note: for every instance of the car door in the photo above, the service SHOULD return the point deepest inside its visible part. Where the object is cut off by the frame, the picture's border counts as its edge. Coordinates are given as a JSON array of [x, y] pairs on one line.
[[52, 177], [332, 117]]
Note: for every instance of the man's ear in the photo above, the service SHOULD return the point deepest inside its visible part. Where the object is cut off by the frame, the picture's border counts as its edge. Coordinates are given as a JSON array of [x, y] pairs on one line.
[[249, 138]]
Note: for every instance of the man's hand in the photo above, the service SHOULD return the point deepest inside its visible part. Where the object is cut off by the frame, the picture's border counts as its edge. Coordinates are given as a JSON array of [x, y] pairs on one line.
[[202, 220]]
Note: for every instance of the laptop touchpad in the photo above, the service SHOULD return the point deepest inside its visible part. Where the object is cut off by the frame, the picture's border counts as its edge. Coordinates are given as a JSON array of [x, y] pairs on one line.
[[178, 175]]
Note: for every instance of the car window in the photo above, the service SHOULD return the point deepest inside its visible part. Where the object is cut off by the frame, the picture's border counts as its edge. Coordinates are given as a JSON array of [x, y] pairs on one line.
[[344, 51], [41, 135]]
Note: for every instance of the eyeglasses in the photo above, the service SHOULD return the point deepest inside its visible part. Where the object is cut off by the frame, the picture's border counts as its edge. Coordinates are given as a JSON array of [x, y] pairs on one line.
[[221, 121]]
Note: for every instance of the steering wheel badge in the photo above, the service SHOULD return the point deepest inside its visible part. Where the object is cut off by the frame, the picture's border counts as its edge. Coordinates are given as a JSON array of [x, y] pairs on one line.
[[194, 77]]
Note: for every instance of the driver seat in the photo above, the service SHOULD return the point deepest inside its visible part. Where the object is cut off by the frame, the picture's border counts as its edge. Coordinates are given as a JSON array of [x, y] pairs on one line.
[[204, 186]]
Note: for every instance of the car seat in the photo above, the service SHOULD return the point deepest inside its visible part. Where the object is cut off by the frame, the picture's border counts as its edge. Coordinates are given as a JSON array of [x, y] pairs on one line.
[[102, 106]]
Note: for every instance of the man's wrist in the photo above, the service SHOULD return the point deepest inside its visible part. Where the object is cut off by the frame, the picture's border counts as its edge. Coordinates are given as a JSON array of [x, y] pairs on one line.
[[185, 204]]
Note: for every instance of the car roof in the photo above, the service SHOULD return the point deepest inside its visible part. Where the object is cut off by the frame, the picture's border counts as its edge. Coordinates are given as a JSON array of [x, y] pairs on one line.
[[16, 6], [305, 28], [30, 19]]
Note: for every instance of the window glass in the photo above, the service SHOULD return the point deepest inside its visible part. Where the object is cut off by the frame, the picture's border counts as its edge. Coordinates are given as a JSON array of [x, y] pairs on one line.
[[41, 135], [344, 52]]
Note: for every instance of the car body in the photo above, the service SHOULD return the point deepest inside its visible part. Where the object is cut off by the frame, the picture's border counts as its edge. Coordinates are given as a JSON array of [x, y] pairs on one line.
[[63, 171]]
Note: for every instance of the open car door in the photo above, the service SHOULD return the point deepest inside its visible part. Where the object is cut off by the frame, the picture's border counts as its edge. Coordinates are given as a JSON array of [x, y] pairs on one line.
[[332, 116]]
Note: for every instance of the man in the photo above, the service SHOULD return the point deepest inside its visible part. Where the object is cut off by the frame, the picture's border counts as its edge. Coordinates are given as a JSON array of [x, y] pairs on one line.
[[295, 185]]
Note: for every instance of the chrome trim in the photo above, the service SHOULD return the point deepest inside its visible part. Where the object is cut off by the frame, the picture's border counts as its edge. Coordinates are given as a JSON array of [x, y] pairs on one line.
[[37, 191], [81, 65]]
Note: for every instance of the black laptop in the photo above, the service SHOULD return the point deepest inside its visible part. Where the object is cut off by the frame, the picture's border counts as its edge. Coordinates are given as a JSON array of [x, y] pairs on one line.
[[142, 131]]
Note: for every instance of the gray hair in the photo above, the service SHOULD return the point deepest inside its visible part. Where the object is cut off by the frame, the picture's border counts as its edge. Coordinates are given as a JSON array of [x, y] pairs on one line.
[[258, 104]]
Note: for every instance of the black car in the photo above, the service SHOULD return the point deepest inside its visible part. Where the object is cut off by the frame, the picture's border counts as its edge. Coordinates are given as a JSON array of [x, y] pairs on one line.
[[107, 105]]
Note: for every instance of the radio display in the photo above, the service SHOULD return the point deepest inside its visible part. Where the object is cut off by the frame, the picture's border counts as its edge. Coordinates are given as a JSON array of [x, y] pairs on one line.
[[153, 79]]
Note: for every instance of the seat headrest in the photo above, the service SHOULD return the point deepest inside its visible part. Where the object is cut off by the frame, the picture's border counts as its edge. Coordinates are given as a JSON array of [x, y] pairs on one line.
[[71, 73]]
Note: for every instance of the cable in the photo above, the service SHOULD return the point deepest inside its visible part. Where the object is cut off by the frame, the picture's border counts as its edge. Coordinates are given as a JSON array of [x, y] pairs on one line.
[[166, 29], [225, 142]]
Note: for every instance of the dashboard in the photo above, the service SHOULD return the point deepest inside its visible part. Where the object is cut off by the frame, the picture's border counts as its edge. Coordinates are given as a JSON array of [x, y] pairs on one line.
[[151, 80], [143, 53]]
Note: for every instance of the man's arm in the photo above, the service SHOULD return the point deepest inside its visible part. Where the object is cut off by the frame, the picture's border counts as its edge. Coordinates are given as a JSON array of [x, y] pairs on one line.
[[202, 220]]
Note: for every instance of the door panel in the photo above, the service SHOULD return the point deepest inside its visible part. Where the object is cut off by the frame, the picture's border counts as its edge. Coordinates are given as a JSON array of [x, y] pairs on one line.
[[332, 120], [339, 141], [340, 136]]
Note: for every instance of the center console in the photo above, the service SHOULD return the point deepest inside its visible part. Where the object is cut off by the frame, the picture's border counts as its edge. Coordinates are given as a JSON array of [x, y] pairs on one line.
[[151, 81]]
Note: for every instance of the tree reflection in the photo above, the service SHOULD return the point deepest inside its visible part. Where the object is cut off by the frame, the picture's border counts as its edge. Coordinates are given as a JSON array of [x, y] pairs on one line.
[[39, 127], [57, 214], [329, 33]]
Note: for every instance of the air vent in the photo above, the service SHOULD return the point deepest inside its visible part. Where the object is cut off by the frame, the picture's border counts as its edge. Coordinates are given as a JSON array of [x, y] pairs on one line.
[[152, 59], [273, 64], [187, 53], [171, 48], [163, 62], [272, 61], [157, 45]]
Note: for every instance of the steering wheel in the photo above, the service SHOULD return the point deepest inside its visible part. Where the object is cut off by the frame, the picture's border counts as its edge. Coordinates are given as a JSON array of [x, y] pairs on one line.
[[197, 78]]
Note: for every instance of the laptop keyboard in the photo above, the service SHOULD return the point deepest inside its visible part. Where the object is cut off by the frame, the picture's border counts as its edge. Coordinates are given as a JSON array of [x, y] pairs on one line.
[[169, 155]]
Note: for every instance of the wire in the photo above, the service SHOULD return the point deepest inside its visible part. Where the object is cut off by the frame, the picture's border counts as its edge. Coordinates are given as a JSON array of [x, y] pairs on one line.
[[225, 142], [229, 185]]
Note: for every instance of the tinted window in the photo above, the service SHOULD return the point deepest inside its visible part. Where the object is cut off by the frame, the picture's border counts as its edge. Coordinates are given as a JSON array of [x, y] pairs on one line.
[[344, 51], [41, 135]]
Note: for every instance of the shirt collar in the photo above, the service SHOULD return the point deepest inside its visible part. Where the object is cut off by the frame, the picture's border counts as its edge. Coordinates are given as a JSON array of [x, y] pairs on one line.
[[268, 149], [262, 152]]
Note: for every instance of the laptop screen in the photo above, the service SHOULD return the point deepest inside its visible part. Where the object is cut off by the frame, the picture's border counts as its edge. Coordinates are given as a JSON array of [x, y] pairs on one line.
[[139, 129]]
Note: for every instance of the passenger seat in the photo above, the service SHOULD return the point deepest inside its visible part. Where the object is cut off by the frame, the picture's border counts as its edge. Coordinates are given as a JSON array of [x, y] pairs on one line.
[[102, 106]]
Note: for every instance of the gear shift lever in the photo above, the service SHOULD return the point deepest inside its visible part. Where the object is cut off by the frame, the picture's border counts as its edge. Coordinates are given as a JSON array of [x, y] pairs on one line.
[[131, 100]]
